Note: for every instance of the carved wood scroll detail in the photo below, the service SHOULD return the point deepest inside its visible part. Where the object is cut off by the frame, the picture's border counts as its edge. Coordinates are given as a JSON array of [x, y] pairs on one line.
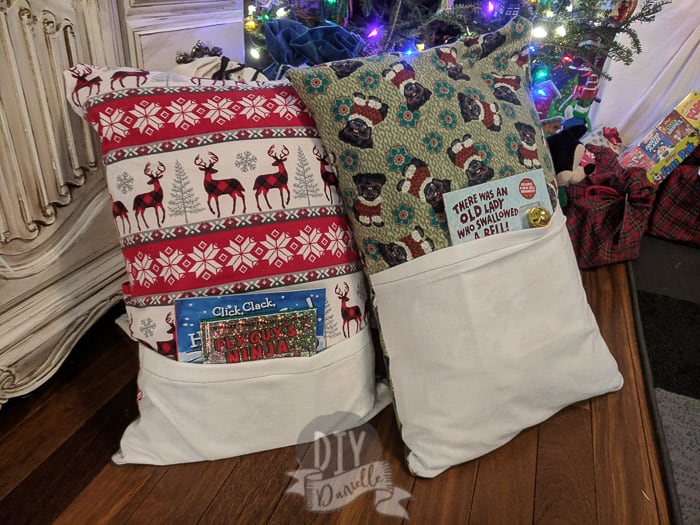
[[45, 150]]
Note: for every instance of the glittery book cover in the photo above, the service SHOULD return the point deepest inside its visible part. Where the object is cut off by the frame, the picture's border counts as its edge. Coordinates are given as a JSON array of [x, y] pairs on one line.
[[265, 336], [498, 206], [191, 311]]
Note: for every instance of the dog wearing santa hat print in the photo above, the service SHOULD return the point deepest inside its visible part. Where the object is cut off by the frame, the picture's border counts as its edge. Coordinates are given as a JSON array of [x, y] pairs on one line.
[[477, 110], [505, 87], [463, 154], [527, 150], [406, 248], [401, 74], [418, 182], [365, 113]]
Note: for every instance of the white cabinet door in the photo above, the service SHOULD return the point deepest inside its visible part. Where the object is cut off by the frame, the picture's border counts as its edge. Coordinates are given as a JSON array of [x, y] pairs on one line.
[[157, 30]]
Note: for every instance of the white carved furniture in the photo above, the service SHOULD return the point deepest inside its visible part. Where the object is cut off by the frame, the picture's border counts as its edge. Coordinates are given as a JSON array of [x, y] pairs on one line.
[[60, 264]]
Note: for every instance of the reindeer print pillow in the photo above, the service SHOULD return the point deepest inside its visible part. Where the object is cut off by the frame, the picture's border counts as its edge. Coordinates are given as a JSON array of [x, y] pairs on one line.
[[218, 188], [402, 130]]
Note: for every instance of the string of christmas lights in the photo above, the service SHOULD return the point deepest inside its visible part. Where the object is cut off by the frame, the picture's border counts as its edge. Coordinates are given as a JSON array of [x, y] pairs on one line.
[[571, 39]]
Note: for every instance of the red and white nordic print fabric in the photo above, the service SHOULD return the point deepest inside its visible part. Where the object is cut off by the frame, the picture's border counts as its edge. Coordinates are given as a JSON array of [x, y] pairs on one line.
[[218, 188]]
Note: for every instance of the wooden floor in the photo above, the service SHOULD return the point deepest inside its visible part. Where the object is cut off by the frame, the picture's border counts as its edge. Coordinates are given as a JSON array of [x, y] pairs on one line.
[[593, 463]]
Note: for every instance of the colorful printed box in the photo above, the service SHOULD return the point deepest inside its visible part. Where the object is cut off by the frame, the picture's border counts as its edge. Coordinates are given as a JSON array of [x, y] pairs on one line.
[[656, 145], [689, 108], [665, 146], [663, 169], [675, 127], [635, 156]]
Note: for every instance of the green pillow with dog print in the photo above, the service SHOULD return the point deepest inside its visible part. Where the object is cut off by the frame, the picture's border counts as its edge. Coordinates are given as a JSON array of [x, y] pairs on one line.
[[471, 363], [404, 129]]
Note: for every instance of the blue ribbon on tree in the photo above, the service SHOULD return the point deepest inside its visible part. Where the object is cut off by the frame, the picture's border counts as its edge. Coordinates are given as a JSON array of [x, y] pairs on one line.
[[291, 43]]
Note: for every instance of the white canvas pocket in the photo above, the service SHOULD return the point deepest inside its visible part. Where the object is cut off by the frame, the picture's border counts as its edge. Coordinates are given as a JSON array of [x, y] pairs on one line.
[[485, 339], [193, 412]]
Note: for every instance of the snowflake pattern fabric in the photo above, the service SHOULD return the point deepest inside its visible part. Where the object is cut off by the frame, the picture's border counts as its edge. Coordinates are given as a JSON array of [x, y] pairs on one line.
[[180, 157]]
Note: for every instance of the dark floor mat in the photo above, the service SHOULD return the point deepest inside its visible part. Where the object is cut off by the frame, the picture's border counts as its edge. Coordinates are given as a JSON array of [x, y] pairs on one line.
[[668, 268], [672, 335]]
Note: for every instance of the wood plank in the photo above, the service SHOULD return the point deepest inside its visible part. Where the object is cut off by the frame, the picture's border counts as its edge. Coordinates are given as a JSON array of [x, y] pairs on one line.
[[505, 483], [112, 496], [251, 492], [183, 493], [446, 498], [45, 429], [50, 487], [627, 491], [363, 510], [649, 434], [565, 476], [289, 507]]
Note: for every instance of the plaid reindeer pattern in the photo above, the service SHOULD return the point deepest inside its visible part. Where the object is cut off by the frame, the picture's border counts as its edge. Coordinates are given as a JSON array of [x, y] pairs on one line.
[[185, 159]]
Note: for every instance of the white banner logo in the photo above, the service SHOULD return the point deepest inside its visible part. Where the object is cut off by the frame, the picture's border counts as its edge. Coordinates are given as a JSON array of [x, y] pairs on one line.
[[336, 471]]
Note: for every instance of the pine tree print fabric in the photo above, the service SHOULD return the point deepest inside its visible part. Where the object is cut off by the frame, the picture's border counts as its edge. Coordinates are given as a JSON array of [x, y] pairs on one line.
[[218, 188], [403, 130]]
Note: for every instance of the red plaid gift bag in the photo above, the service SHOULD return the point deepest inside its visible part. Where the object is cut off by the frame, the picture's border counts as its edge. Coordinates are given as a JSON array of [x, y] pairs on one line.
[[608, 211], [676, 214]]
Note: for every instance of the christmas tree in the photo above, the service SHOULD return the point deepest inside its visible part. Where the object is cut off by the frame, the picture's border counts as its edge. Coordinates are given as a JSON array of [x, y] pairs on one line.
[[330, 324], [305, 184], [572, 40], [586, 27], [183, 199]]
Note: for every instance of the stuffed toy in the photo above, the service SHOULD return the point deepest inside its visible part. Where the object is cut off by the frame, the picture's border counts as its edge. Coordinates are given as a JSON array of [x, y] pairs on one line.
[[571, 164]]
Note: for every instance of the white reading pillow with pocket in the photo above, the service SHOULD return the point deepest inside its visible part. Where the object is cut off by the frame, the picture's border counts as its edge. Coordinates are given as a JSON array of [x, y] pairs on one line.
[[484, 339], [192, 412], [501, 338], [219, 188]]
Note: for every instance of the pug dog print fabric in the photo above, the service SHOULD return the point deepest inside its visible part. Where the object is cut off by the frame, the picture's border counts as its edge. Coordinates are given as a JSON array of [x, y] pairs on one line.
[[367, 209], [406, 129], [366, 112]]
